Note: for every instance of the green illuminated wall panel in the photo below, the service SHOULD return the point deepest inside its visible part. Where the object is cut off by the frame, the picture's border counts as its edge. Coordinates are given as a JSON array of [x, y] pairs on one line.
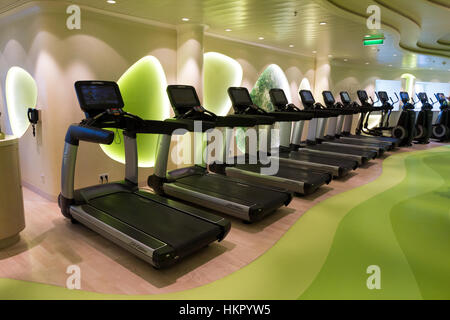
[[143, 88], [272, 77], [21, 94], [219, 73]]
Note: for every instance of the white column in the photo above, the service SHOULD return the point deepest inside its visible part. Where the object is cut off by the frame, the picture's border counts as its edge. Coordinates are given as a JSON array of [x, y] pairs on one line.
[[190, 56]]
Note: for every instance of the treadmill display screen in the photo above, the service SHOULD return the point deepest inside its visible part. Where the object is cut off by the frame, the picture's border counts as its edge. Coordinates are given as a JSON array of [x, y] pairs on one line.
[[383, 96], [240, 97], [362, 95], [328, 96], [307, 97], [279, 97], [97, 96], [345, 97], [182, 98], [404, 96]]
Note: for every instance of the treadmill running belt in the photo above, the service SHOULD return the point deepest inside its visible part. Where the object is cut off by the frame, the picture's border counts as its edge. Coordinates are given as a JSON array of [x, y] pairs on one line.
[[234, 190], [308, 177], [344, 150], [171, 226]]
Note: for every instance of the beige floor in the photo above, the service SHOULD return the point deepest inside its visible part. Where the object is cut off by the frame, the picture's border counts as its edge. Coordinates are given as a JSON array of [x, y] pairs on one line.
[[50, 244]]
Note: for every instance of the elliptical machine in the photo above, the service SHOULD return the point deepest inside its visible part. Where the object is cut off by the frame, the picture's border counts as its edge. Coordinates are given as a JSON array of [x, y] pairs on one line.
[[424, 120], [441, 129], [405, 130], [367, 109]]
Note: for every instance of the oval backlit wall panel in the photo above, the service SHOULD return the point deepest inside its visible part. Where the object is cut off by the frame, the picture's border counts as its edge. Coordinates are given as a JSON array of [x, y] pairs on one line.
[[219, 73], [272, 77], [143, 87], [21, 94]]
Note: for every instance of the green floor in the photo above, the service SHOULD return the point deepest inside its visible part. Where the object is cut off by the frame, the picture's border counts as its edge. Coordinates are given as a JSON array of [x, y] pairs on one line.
[[400, 222]]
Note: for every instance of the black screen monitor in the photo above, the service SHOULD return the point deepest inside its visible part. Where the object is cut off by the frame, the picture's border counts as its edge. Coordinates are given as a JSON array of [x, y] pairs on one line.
[[362, 95], [404, 96], [97, 96], [278, 97], [182, 98], [383, 96], [441, 97], [345, 97], [240, 97], [328, 97], [423, 97], [307, 97]]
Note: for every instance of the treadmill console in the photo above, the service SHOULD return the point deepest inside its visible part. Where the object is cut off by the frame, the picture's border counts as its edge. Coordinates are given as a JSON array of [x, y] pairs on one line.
[[278, 98], [96, 97], [362, 96], [307, 98], [383, 96], [240, 98], [183, 99], [328, 98], [404, 96], [345, 98]]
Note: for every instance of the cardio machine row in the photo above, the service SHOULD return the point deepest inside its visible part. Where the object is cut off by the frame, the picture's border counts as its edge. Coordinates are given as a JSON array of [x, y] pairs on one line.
[[412, 127], [176, 220]]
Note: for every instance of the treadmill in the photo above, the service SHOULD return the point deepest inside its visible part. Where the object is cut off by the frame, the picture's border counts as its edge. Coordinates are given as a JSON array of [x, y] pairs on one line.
[[344, 132], [316, 133], [156, 229], [289, 154], [235, 197], [295, 177], [331, 138]]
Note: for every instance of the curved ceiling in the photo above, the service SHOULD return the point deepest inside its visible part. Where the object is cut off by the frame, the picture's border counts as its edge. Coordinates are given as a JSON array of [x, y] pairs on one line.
[[417, 32]]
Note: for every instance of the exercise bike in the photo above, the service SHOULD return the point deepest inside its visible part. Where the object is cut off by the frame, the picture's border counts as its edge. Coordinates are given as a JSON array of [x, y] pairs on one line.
[[405, 130], [424, 120], [441, 129]]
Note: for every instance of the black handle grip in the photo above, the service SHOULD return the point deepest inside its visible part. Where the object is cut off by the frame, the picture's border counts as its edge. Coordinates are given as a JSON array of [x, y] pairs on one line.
[[75, 133]]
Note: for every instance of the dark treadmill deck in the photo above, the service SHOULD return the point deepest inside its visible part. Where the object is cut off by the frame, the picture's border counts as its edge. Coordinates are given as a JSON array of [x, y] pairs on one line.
[[260, 203], [146, 217], [392, 140], [344, 150], [345, 166], [312, 179]]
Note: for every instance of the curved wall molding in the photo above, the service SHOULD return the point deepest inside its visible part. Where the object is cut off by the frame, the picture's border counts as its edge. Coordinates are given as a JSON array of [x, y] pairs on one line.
[[351, 12]]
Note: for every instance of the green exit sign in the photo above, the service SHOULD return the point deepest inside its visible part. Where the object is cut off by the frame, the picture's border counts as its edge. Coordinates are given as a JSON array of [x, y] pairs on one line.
[[373, 40]]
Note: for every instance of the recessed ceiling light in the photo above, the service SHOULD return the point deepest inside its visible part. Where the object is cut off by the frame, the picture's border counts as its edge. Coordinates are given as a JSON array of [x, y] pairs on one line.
[[330, 56], [367, 62], [228, 30], [367, 36], [322, 23], [314, 51], [345, 59], [111, 1], [261, 38], [394, 55], [291, 46], [185, 19], [390, 65]]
